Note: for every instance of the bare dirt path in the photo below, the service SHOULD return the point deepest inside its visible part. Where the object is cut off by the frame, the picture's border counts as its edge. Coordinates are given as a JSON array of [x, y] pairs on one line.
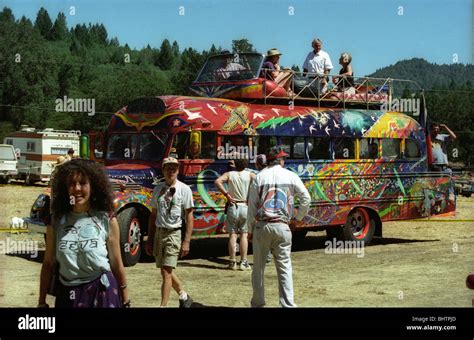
[[415, 264]]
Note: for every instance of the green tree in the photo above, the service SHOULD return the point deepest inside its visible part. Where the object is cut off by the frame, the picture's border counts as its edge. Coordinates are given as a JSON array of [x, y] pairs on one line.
[[59, 30], [7, 15], [165, 59], [43, 23], [242, 45]]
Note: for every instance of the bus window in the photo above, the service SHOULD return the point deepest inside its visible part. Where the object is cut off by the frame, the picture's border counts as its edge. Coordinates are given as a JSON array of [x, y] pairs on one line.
[[183, 145], [285, 143], [293, 146], [208, 149], [234, 147], [263, 143], [411, 149], [150, 146], [343, 148], [117, 147], [368, 148], [391, 148], [298, 148], [180, 145], [319, 148]]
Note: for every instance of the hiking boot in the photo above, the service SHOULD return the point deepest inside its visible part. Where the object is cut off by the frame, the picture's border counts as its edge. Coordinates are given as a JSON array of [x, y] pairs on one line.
[[232, 265], [186, 303], [244, 265]]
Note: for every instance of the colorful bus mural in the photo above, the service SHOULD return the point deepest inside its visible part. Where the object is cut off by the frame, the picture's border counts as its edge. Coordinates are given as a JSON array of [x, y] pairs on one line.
[[361, 165]]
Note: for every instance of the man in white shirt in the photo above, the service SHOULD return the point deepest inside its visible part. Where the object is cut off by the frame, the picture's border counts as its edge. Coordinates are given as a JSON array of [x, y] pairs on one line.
[[170, 200], [270, 214], [318, 63], [238, 182], [439, 142]]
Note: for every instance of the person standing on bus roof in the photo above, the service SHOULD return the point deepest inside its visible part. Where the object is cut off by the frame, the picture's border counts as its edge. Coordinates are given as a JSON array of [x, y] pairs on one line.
[[439, 144], [238, 182], [170, 200], [270, 211], [318, 63]]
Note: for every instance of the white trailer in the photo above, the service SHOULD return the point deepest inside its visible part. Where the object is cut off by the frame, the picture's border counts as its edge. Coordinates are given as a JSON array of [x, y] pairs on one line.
[[39, 149]]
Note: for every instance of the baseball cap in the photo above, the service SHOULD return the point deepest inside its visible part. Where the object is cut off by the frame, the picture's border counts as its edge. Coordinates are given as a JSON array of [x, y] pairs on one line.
[[170, 160], [275, 153]]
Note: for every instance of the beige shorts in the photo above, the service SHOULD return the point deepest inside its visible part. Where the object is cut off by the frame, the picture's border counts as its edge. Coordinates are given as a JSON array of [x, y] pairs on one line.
[[167, 247]]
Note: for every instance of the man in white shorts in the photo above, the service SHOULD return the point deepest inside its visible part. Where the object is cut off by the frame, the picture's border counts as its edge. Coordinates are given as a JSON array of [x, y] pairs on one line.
[[238, 182]]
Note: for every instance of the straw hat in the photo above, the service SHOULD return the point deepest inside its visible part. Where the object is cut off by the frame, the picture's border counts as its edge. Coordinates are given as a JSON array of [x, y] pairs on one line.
[[273, 51], [60, 161]]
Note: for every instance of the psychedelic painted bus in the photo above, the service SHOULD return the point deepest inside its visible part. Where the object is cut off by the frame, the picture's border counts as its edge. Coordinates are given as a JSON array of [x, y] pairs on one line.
[[361, 164]]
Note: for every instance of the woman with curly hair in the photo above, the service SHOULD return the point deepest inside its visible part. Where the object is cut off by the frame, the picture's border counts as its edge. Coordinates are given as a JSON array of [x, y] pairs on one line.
[[83, 239]]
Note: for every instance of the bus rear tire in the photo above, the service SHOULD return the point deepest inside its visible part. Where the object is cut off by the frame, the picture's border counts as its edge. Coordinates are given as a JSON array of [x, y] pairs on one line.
[[360, 226], [130, 236]]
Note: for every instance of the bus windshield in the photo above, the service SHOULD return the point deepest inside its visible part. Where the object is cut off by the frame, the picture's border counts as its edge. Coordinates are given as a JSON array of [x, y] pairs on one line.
[[229, 67], [148, 146]]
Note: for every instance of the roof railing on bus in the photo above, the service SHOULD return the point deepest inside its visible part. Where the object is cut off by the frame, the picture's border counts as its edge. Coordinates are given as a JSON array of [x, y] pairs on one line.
[[373, 90]]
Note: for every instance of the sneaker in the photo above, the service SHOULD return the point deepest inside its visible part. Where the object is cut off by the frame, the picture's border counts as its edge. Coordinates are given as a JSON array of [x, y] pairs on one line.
[[186, 303], [232, 265], [244, 265]]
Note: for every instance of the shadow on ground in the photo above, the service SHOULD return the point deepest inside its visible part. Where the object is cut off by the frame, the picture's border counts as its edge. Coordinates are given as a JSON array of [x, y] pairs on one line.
[[215, 250]]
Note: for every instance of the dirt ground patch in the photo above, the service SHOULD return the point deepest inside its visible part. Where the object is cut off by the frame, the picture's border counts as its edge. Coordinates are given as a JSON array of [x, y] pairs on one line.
[[415, 264]]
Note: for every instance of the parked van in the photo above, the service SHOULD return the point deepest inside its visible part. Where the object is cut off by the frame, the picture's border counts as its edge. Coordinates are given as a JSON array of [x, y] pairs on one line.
[[8, 163]]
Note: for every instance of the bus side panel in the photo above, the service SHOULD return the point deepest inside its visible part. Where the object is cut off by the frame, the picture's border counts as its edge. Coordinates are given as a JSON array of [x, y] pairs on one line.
[[387, 189], [209, 202]]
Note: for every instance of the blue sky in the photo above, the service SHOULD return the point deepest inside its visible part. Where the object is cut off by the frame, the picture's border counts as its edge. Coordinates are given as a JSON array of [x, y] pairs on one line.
[[376, 32]]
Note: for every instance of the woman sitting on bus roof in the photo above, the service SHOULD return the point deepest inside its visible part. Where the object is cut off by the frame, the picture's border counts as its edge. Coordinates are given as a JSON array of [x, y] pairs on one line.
[[345, 81], [272, 70]]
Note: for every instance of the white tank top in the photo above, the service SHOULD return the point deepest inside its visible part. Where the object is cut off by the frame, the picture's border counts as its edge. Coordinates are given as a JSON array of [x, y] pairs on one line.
[[239, 182]]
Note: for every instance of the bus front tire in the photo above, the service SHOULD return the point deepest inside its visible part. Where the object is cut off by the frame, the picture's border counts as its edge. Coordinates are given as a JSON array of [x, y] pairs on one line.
[[360, 226], [130, 236]]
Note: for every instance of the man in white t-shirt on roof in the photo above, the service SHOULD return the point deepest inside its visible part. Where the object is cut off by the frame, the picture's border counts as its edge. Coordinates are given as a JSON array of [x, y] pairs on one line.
[[319, 63]]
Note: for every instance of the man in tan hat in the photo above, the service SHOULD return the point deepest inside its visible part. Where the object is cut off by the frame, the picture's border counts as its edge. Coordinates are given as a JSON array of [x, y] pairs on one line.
[[171, 200], [272, 70]]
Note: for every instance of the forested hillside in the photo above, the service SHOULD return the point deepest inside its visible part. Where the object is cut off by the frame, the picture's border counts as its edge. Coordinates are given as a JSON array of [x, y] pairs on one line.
[[44, 60]]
